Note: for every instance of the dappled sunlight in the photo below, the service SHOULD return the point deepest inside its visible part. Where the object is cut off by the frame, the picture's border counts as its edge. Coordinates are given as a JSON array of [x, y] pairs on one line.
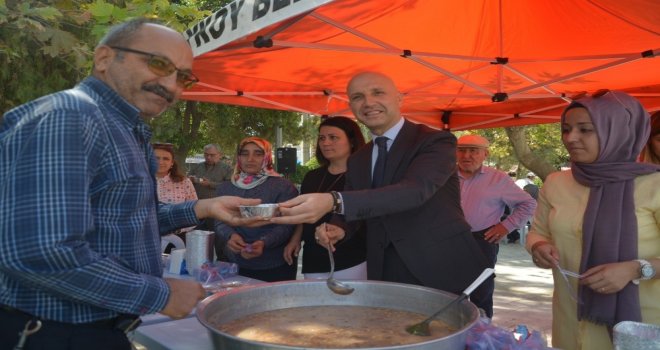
[[523, 292], [530, 290], [524, 274]]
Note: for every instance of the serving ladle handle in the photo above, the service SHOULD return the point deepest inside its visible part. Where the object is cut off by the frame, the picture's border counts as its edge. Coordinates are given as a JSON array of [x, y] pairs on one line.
[[335, 285], [422, 328]]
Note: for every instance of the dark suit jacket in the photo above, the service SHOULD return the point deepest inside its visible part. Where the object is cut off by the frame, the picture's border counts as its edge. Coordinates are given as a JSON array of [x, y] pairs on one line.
[[418, 209]]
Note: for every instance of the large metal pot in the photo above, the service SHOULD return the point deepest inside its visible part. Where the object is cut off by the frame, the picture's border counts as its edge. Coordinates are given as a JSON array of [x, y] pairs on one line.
[[229, 305]]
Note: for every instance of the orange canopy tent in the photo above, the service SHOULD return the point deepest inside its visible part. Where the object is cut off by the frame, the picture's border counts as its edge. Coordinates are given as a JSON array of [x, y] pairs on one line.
[[460, 64]]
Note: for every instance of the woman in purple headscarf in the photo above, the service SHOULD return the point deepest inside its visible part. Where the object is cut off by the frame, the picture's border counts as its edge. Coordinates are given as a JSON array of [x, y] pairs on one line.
[[600, 220]]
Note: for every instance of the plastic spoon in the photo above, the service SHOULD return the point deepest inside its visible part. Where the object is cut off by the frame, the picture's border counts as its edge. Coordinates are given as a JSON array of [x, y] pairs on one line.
[[565, 274]]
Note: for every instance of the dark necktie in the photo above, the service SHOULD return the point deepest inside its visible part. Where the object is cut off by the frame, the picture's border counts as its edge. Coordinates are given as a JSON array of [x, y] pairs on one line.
[[381, 160]]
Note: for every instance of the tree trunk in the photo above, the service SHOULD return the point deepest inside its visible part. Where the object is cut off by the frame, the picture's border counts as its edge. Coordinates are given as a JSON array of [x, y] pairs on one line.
[[529, 159], [190, 122]]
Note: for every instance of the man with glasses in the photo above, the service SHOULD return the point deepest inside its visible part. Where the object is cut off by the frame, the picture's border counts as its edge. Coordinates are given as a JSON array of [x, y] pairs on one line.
[[80, 259], [208, 174]]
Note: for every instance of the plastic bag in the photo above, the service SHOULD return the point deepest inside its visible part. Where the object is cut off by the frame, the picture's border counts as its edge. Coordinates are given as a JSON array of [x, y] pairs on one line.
[[485, 336], [214, 272]]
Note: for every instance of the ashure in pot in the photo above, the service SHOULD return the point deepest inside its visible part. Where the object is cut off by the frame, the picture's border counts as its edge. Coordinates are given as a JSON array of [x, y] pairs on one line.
[[230, 305]]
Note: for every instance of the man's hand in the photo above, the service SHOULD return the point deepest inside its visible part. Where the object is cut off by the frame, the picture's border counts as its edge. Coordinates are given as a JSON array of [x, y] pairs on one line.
[[306, 208], [225, 209], [184, 295], [204, 182], [496, 233], [328, 235]]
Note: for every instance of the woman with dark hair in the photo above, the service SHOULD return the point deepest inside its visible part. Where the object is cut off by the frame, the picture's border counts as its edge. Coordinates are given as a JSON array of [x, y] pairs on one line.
[[338, 138], [600, 219], [173, 186], [651, 152], [257, 250]]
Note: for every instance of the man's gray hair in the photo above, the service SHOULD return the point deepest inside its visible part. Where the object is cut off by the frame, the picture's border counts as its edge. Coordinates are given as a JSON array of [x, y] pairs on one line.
[[212, 145], [122, 34]]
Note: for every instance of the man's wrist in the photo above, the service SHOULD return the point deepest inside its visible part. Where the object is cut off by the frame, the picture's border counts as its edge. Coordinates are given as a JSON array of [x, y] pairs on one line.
[[201, 209], [337, 202]]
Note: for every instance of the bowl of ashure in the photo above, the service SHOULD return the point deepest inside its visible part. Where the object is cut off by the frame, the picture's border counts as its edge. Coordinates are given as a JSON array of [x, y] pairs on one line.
[[263, 210], [305, 314]]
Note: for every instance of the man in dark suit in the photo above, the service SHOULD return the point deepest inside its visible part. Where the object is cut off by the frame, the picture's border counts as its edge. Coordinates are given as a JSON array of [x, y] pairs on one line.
[[416, 231]]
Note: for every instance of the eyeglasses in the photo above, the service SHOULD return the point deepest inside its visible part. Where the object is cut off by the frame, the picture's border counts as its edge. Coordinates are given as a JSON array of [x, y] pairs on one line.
[[163, 67], [601, 93]]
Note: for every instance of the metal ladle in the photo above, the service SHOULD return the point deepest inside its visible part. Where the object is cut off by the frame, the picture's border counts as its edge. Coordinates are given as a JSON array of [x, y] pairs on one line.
[[422, 328], [334, 285]]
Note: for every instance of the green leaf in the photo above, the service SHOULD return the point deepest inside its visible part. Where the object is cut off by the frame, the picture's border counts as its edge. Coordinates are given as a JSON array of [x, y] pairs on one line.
[[23, 7], [47, 13], [44, 36], [50, 50], [29, 24], [119, 14], [80, 18], [63, 41], [101, 9], [4, 11]]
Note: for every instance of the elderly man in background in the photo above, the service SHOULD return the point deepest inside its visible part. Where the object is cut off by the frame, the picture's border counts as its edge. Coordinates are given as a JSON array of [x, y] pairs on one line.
[[81, 256], [485, 193], [208, 174]]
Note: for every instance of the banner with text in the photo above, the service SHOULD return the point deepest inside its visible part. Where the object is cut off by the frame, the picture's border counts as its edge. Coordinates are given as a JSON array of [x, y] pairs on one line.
[[241, 18]]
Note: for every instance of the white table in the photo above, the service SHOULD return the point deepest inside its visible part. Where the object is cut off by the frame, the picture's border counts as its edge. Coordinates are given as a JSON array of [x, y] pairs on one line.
[[159, 332], [183, 334]]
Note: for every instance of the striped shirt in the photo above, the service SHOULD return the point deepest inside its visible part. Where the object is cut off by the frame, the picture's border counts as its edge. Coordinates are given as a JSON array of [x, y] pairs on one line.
[[485, 195], [79, 219]]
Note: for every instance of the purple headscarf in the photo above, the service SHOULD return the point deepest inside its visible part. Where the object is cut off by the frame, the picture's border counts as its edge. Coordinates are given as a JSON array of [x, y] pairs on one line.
[[609, 230]]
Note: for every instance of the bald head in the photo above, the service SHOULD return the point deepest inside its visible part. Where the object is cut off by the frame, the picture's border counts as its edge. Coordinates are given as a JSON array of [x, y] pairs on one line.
[[123, 34], [371, 76], [375, 101]]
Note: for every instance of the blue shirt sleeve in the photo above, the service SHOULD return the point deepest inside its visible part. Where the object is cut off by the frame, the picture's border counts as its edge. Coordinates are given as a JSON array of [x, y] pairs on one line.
[[49, 227]]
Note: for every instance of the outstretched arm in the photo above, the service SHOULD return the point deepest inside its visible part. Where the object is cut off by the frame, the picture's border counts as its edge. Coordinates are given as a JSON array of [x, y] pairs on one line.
[[306, 208], [225, 209]]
